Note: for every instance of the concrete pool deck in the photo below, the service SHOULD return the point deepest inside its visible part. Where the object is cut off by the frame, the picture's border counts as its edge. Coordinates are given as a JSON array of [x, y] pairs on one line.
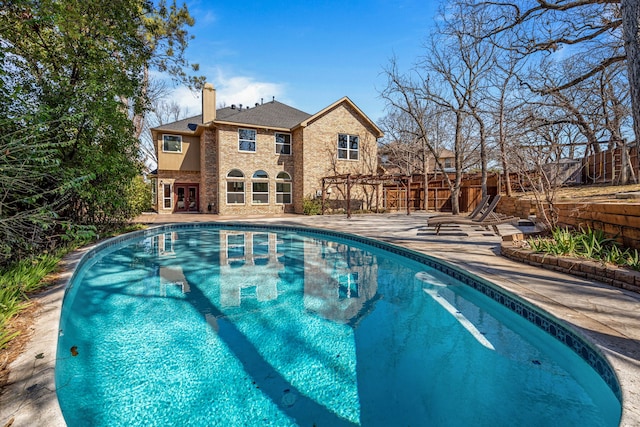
[[609, 317]]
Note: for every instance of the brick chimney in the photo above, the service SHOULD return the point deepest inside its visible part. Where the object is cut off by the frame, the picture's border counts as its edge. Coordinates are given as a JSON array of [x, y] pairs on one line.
[[208, 103]]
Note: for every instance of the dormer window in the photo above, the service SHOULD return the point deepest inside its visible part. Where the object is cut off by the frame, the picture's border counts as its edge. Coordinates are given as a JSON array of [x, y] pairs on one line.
[[172, 143]]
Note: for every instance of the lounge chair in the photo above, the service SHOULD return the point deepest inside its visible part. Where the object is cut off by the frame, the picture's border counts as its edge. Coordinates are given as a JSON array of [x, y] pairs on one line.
[[486, 213], [487, 219], [476, 211], [493, 223]]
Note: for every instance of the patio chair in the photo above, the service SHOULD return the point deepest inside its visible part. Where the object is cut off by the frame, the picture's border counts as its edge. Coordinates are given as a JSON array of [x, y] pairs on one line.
[[487, 213], [487, 219], [476, 211], [493, 223]]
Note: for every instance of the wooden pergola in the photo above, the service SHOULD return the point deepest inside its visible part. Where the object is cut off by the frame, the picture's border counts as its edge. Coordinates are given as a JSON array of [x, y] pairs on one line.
[[376, 181]]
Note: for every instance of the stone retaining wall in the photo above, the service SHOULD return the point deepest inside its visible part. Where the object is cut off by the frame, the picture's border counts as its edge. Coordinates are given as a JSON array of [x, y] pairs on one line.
[[617, 220], [615, 276]]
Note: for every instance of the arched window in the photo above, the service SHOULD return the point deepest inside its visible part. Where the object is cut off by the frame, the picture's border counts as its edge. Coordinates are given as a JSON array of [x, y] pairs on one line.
[[260, 187], [283, 188], [235, 187]]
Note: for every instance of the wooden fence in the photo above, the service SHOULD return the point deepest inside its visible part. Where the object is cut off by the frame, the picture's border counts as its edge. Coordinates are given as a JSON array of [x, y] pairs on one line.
[[606, 167], [438, 194]]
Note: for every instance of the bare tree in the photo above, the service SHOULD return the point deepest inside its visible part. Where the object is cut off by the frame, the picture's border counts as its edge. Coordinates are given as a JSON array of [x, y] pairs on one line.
[[450, 78], [505, 99], [401, 147], [477, 59], [415, 97], [601, 33]]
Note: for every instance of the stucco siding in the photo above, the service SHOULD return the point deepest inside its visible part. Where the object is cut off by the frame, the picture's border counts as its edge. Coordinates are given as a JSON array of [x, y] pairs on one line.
[[186, 160]]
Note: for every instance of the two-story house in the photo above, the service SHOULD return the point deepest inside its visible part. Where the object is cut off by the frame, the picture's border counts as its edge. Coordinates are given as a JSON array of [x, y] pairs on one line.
[[262, 159]]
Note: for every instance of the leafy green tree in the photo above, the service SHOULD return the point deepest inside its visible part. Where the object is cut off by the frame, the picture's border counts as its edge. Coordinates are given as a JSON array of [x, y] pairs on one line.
[[69, 146]]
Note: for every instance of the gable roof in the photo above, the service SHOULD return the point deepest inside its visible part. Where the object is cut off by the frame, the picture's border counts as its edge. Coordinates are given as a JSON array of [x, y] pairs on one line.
[[344, 100]]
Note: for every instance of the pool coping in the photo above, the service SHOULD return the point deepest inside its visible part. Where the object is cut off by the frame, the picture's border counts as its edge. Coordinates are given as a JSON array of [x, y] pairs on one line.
[[32, 400]]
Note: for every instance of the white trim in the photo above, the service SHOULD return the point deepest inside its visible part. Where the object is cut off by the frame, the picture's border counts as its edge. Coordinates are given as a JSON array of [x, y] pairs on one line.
[[154, 192], [165, 198], [290, 144], [175, 136], [260, 181], [235, 179], [348, 150], [235, 247], [284, 181], [255, 141], [244, 192], [346, 100]]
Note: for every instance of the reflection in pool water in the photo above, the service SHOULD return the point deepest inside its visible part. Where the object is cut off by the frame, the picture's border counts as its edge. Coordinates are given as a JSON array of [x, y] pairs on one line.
[[212, 326]]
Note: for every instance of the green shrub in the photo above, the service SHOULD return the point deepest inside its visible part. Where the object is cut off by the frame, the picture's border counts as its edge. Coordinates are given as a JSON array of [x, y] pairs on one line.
[[17, 282], [565, 242], [311, 206], [633, 260], [592, 244]]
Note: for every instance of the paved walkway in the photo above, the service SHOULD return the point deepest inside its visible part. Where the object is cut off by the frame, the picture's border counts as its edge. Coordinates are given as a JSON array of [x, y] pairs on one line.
[[610, 317]]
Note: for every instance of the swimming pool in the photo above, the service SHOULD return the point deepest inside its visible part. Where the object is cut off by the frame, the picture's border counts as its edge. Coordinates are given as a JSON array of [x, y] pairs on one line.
[[240, 325]]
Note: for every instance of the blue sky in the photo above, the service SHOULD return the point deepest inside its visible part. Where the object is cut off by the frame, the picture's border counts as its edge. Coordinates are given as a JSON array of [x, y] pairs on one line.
[[307, 54]]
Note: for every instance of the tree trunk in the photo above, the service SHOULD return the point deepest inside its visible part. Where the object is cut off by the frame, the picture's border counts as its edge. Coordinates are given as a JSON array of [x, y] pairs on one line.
[[457, 156], [631, 36], [425, 173], [483, 154], [503, 153]]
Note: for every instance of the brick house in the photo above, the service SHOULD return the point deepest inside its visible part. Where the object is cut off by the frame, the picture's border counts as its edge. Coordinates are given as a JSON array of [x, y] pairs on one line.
[[263, 159]]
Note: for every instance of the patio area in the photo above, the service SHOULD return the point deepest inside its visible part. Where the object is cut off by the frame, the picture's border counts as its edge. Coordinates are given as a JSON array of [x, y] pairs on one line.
[[609, 317]]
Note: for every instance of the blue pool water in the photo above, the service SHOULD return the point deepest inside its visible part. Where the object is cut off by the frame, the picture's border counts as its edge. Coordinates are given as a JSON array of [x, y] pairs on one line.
[[207, 326]]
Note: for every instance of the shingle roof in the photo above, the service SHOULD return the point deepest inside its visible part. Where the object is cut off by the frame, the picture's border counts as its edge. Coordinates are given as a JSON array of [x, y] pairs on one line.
[[185, 125], [274, 114], [270, 114]]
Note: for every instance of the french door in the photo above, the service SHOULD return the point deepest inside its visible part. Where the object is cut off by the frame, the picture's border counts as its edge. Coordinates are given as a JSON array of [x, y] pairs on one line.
[[186, 197]]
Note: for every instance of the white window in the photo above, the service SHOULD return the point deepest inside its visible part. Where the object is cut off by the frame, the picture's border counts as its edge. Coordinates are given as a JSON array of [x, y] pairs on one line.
[[172, 143], [166, 196], [260, 187], [154, 192], [235, 187], [247, 140], [260, 248], [235, 249], [348, 286], [283, 188], [283, 143], [348, 146], [448, 163], [167, 245]]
